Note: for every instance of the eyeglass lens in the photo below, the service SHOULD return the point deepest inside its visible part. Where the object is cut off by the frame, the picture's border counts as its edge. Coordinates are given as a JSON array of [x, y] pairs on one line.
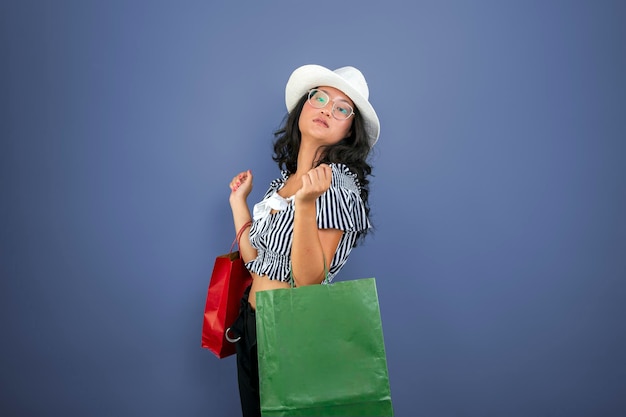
[[319, 99]]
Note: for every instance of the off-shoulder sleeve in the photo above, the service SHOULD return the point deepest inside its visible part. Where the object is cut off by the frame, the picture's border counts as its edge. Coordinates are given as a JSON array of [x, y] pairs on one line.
[[341, 206]]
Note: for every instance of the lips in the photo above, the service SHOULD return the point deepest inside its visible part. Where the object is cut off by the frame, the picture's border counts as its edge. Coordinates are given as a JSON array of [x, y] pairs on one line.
[[320, 121]]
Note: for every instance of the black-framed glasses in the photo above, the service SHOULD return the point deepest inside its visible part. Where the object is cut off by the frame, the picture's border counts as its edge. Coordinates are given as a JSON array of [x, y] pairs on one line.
[[341, 110]]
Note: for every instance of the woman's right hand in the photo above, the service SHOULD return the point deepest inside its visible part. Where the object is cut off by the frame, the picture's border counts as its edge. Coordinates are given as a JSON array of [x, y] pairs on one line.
[[241, 185]]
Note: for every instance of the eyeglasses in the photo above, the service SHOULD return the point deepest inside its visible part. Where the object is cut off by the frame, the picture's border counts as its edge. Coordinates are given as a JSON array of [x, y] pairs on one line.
[[340, 111]]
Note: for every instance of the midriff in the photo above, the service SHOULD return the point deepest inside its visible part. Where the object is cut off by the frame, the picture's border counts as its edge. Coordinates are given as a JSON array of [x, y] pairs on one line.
[[263, 283]]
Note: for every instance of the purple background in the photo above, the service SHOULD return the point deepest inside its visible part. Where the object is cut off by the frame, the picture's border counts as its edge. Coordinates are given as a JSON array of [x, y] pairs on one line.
[[499, 196]]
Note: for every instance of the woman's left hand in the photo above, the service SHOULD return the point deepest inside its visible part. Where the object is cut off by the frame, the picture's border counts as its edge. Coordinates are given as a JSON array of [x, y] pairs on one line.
[[314, 183]]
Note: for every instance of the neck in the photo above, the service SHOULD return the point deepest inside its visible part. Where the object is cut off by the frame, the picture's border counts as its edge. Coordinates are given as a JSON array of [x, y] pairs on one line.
[[306, 157]]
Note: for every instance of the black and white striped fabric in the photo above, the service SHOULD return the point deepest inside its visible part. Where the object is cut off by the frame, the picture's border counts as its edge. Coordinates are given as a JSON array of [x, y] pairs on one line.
[[340, 207]]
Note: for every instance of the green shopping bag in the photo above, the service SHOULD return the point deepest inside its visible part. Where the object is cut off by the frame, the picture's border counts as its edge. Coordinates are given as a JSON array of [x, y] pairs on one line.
[[321, 351]]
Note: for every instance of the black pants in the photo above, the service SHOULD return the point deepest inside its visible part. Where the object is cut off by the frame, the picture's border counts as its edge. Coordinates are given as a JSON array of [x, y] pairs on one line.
[[247, 359]]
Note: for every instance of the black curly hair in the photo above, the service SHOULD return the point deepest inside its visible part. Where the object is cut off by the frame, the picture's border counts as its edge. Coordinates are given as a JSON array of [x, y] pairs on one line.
[[352, 151]]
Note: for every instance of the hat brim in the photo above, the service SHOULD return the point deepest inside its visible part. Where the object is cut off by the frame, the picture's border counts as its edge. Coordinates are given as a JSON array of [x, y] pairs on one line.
[[309, 76]]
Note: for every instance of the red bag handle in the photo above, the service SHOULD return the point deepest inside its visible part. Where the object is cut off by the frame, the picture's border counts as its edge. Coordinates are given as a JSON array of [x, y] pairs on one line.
[[237, 239], [239, 233]]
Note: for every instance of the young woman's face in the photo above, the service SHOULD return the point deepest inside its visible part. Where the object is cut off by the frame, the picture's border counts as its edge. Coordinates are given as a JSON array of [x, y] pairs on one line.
[[317, 121]]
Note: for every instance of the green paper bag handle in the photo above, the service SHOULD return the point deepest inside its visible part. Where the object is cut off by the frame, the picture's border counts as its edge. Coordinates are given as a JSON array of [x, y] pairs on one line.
[[292, 281]]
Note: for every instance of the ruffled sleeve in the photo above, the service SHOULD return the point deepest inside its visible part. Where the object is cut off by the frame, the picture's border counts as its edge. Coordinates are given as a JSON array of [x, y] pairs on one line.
[[341, 206]]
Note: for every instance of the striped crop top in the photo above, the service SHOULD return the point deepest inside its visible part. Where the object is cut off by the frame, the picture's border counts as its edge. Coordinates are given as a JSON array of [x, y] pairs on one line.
[[340, 207]]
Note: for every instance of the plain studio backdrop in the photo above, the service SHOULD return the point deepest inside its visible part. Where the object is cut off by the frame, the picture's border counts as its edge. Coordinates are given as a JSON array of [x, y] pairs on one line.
[[498, 196]]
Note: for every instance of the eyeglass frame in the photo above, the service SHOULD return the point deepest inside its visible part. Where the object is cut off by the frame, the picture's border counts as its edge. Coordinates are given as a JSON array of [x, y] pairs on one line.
[[332, 110]]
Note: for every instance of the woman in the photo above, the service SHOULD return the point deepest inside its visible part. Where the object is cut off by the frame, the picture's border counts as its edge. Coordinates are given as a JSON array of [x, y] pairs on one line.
[[310, 218]]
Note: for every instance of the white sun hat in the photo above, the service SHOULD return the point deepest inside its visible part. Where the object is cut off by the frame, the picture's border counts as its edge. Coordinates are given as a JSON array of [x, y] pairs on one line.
[[347, 79]]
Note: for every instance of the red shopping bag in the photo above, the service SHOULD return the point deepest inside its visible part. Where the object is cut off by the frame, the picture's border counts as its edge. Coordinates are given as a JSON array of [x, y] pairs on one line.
[[229, 280]]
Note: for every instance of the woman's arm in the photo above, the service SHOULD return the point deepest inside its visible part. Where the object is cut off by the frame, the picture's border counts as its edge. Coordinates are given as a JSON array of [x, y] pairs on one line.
[[313, 249], [240, 188]]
